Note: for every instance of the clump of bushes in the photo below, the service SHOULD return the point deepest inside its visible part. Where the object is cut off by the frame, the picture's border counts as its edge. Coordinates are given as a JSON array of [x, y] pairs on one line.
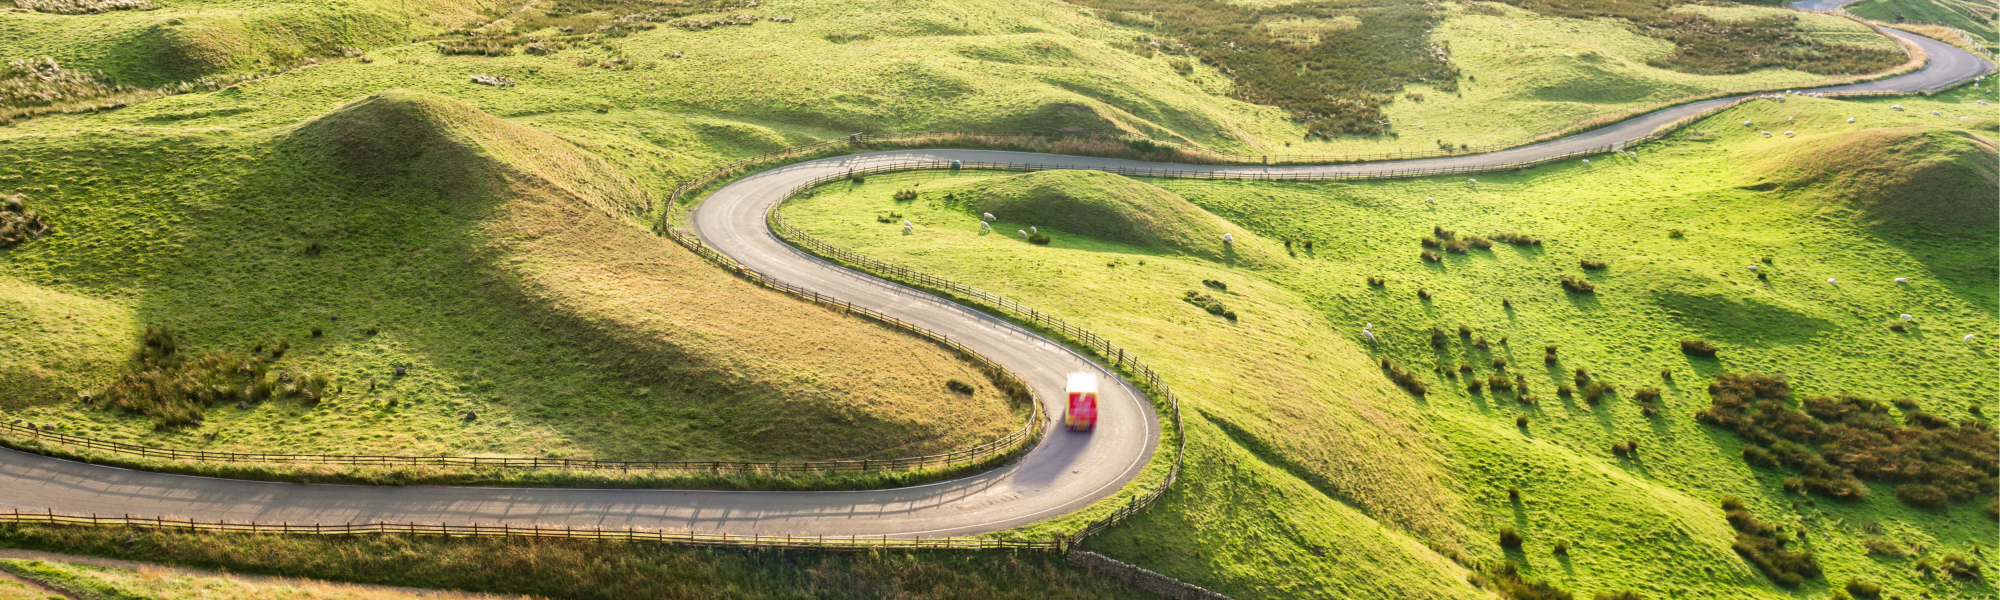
[[1699, 348], [1594, 265], [1862, 589], [1578, 285], [1625, 448], [176, 387], [891, 217], [1764, 547], [1423, 294], [1519, 239], [1439, 338], [1208, 303], [1430, 256], [1042, 239], [1837, 442], [958, 386], [18, 224], [1951, 565], [905, 195], [856, 177], [1377, 281], [1509, 538], [1215, 284], [1403, 378]]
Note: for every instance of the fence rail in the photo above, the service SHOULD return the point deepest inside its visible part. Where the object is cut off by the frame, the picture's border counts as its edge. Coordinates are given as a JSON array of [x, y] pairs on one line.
[[689, 537]]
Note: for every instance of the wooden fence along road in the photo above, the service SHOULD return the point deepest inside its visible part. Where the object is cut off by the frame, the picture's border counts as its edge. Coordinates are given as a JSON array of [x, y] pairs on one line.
[[737, 226]]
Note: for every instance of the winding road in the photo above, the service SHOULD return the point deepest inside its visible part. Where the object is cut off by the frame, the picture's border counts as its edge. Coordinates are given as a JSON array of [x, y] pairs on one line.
[[1066, 472]]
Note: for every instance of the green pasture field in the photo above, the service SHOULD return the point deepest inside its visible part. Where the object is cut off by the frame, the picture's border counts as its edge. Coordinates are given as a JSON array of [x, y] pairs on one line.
[[1973, 17], [579, 569], [1268, 510], [93, 582], [841, 68]]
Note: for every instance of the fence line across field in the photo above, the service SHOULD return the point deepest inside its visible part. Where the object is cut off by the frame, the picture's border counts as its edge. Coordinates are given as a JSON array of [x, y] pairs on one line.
[[689, 537]]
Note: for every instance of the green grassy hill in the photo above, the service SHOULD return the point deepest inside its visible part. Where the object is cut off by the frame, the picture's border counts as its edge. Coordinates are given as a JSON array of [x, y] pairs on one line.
[[497, 263], [1272, 511]]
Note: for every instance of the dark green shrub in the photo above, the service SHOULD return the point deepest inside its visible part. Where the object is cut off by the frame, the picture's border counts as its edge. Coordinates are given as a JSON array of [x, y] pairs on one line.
[[1499, 362], [1763, 546], [1519, 239], [958, 386], [1594, 265], [316, 332], [1578, 286], [1565, 390], [1404, 379], [1594, 393], [1922, 496], [1444, 234], [1482, 344], [1498, 383], [1431, 243], [1423, 294], [1884, 547], [1514, 493], [1676, 234], [1377, 281], [1474, 385], [1439, 338], [1215, 284], [1208, 303], [1430, 256], [1958, 567], [1521, 421], [856, 177], [1464, 332], [905, 195], [1510, 539], [1699, 348], [1646, 394], [1562, 548], [1863, 589], [1038, 239]]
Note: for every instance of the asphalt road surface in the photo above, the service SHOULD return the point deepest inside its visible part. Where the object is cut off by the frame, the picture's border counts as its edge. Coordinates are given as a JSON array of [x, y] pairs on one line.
[[1066, 472]]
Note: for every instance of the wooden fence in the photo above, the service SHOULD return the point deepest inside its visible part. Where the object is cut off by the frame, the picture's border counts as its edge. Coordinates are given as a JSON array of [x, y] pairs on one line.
[[475, 530]]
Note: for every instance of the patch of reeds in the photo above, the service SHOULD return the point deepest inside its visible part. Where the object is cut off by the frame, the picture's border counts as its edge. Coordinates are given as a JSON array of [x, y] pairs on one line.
[[1765, 547], [175, 387]]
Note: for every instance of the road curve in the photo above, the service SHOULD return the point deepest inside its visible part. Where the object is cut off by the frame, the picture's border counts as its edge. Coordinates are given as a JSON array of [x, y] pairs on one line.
[[1064, 473]]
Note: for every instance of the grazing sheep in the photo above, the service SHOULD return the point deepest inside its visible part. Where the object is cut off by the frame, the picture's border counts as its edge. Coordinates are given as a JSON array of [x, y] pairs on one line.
[[1907, 317], [1431, 200], [1982, 103], [907, 228], [1767, 134], [1472, 181], [1830, 281], [1788, 119], [989, 217], [1023, 232], [1790, 133], [1746, 123], [1228, 238], [1968, 338], [1936, 114], [1369, 331], [1753, 268], [1850, 119], [1586, 162], [1903, 280], [1031, 229], [984, 226], [1895, 107], [906, 223]]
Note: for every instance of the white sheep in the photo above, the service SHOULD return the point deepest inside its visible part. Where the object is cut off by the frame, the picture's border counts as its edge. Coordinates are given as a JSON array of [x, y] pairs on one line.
[[1830, 281], [1788, 119], [1031, 229], [1850, 119], [1767, 134], [1903, 280], [1023, 232], [907, 228], [989, 217], [1746, 123], [1790, 133], [983, 226], [906, 223], [1982, 102], [1431, 200], [1368, 331], [1753, 268], [1586, 162], [1895, 107], [1907, 317], [1472, 181], [1968, 338], [1936, 114], [1228, 238]]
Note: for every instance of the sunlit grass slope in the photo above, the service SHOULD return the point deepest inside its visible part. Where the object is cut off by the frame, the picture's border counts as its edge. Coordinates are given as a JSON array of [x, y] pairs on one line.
[[89, 581], [495, 262], [839, 68], [1269, 513], [1970, 16]]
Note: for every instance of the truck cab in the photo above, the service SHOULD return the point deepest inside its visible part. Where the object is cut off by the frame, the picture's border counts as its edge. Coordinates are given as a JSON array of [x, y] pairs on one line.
[[1082, 412]]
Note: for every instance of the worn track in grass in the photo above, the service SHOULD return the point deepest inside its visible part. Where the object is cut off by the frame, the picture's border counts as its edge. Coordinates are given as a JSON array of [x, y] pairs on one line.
[[1066, 472]]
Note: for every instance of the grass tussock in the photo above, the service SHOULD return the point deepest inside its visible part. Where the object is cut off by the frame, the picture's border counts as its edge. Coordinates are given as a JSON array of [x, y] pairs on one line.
[[1765, 547], [1704, 44], [1699, 348], [1208, 304], [175, 387], [1578, 285], [18, 224], [1835, 443], [1404, 378]]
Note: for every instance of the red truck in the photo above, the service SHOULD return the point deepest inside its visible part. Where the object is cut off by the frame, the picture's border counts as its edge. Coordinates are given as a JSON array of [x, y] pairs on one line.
[[1082, 412]]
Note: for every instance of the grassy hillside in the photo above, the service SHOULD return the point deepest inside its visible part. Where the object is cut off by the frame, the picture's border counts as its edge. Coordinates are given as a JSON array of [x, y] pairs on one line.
[[1259, 515], [472, 286], [93, 582], [1972, 17], [701, 96], [588, 570]]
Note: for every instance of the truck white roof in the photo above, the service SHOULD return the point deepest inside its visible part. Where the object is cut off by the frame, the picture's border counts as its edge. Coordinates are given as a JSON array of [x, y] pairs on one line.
[[1084, 382]]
